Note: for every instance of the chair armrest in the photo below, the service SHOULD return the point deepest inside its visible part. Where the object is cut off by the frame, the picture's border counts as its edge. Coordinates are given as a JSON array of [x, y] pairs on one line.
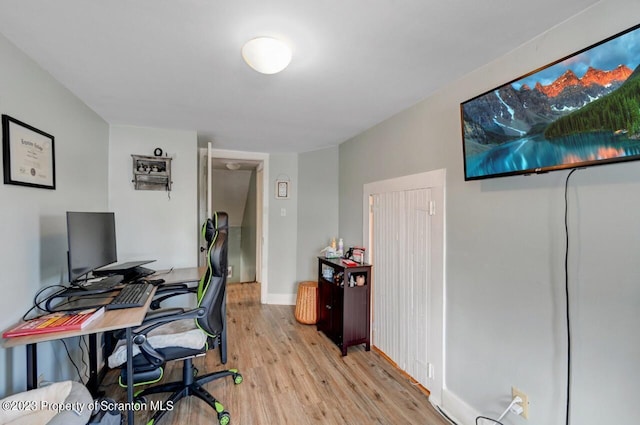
[[164, 292], [165, 316], [178, 288], [164, 312]]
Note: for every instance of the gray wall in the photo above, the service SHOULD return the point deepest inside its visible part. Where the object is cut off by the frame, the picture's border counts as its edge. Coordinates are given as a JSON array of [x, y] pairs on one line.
[[282, 230], [248, 242], [154, 224], [229, 193], [234, 252], [317, 208], [311, 218], [32, 221], [505, 250]]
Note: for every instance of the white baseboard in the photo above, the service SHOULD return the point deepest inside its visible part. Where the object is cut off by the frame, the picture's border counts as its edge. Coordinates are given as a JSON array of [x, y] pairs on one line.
[[456, 409], [281, 299]]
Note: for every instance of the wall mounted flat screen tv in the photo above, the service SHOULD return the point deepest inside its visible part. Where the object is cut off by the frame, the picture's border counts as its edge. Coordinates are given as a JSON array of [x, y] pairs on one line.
[[581, 110]]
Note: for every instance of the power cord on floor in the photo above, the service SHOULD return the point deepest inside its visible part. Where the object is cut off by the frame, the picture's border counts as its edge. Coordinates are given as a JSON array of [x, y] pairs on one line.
[[444, 415], [488, 419], [516, 401]]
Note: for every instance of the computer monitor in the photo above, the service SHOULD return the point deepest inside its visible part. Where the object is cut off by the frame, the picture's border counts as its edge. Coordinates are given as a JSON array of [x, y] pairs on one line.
[[92, 242]]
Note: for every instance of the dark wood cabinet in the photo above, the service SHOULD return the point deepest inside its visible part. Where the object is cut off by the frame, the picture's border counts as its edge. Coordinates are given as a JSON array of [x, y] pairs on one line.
[[344, 294]]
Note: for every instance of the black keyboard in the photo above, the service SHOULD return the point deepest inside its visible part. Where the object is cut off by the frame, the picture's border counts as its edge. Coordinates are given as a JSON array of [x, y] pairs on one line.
[[108, 282], [132, 295]]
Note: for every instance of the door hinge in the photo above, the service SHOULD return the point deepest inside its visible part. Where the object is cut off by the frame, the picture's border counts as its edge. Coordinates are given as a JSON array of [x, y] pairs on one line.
[[432, 208]]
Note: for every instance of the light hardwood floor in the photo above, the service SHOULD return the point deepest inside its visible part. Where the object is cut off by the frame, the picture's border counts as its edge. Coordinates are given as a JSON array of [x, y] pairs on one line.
[[293, 375]]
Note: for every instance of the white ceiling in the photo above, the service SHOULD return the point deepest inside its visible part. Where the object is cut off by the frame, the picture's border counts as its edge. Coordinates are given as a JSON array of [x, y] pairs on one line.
[[177, 63]]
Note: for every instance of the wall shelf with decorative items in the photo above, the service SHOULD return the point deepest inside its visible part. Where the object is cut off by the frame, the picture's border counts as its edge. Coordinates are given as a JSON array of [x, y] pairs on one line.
[[151, 172]]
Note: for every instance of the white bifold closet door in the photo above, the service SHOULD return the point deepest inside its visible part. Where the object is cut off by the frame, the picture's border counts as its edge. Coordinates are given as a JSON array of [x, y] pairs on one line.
[[401, 252]]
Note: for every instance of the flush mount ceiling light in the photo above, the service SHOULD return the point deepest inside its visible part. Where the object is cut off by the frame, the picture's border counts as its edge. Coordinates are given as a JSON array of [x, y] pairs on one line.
[[232, 166], [266, 55]]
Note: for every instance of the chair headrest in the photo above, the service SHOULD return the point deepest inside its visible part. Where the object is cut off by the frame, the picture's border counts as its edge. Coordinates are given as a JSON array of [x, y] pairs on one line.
[[208, 231], [221, 221]]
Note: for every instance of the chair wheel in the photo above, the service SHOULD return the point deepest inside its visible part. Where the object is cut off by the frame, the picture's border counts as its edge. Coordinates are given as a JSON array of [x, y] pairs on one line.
[[237, 379], [224, 418], [139, 402]]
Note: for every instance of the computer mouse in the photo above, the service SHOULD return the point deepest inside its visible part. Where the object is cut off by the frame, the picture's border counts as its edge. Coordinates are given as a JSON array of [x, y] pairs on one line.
[[156, 282]]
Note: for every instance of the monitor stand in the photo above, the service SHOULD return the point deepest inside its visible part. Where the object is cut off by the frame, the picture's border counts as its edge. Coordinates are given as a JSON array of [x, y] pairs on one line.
[[136, 273], [131, 270]]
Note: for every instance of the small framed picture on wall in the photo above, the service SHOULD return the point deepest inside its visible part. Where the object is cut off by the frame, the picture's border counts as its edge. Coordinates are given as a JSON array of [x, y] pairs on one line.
[[282, 189]]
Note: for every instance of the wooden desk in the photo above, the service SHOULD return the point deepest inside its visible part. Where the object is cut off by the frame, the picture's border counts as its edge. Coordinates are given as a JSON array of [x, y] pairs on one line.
[[111, 320], [182, 275]]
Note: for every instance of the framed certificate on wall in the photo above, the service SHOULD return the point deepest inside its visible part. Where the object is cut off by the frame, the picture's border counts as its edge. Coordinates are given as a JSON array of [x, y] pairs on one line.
[[28, 155]]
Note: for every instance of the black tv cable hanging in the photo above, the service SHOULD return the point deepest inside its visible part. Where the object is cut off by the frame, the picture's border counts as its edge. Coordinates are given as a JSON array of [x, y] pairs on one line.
[[567, 294]]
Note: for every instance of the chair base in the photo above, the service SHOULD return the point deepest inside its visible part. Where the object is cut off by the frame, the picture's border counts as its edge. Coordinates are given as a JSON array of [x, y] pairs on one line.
[[191, 385]]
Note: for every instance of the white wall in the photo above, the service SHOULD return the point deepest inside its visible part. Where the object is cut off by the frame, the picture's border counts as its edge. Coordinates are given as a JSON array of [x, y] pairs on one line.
[[149, 224], [32, 221], [505, 251]]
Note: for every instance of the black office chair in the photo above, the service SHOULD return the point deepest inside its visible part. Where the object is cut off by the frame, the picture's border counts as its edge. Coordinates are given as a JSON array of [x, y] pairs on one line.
[[210, 228], [209, 232], [166, 337]]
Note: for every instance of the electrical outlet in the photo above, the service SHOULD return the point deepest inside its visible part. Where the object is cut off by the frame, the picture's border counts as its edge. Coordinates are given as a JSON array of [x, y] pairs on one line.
[[40, 379], [525, 401]]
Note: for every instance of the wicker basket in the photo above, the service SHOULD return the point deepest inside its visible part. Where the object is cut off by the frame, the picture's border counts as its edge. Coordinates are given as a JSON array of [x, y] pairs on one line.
[[306, 303]]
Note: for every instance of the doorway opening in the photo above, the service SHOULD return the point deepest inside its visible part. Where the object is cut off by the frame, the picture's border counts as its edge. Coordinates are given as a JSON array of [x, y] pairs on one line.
[[234, 182]]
